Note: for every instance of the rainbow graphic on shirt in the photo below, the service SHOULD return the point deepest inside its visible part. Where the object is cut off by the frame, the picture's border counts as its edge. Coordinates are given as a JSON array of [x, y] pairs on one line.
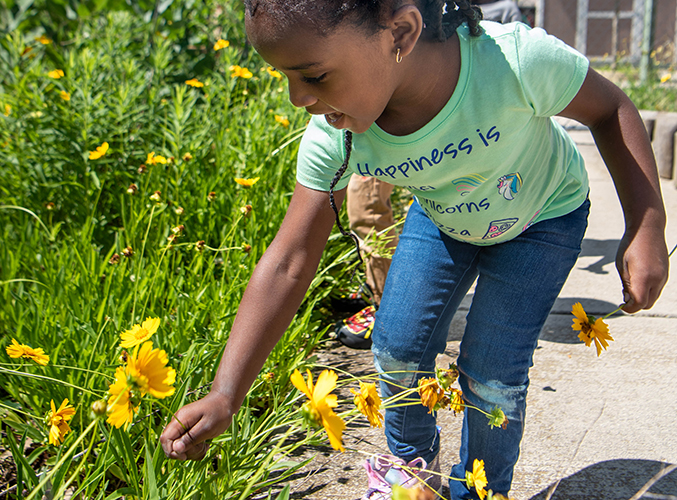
[[465, 185]]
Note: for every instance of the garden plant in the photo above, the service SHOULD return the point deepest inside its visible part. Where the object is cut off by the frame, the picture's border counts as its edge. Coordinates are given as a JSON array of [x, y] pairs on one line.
[[146, 160]]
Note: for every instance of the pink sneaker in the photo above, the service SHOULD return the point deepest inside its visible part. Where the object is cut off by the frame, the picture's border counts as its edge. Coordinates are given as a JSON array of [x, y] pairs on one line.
[[383, 471]]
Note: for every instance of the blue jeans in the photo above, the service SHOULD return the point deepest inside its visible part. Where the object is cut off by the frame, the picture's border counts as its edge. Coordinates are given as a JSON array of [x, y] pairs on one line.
[[518, 282]]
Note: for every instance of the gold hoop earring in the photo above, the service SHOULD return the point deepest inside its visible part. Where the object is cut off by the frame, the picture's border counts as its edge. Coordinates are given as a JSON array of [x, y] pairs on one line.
[[398, 56]]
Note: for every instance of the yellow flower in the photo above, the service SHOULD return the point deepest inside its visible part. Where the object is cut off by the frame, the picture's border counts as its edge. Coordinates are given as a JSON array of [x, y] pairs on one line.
[[477, 478], [16, 350], [43, 40], [369, 402], [100, 151], [282, 120], [56, 74], [447, 376], [147, 368], [591, 328], [666, 77], [65, 95], [238, 71], [121, 404], [194, 82], [321, 403], [153, 159], [431, 393], [418, 492], [247, 182], [497, 418], [58, 422], [139, 333], [8, 109], [221, 44], [272, 72], [457, 404]]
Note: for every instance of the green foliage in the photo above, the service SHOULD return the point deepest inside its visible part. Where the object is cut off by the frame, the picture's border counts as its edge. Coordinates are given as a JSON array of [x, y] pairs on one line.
[[86, 253]]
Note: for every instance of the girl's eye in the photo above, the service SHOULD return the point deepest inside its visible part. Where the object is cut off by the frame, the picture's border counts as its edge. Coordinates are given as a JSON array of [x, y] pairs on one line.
[[317, 79]]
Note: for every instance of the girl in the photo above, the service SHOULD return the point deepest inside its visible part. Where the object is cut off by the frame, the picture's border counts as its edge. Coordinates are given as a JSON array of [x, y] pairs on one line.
[[421, 94]]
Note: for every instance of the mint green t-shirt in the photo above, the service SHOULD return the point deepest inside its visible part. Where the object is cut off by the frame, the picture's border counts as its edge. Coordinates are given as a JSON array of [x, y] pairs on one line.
[[493, 161]]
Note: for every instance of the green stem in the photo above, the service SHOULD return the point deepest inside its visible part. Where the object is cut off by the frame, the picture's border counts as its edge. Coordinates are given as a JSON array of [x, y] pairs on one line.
[[20, 411], [65, 456], [143, 251], [43, 377], [82, 463], [614, 311]]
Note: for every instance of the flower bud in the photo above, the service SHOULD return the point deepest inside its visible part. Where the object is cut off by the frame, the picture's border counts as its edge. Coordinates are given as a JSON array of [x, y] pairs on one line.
[[200, 246], [156, 196], [99, 407], [246, 210], [115, 259], [211, 196], [128, 252], [132, 189]]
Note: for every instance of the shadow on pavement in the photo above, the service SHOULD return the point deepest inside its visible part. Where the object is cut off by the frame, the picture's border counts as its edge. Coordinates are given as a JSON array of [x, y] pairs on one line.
[[604, 249], [614, 480], [558, 326]]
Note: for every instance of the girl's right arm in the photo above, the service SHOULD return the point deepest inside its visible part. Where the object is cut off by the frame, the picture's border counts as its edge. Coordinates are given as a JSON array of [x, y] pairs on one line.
[[272, 297]]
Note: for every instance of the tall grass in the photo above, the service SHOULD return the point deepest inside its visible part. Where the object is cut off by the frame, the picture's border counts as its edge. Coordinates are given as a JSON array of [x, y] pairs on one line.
[[85, 252]]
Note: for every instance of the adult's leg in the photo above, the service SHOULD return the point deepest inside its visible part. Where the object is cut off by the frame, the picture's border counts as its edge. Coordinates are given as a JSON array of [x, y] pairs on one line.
[[429, 277], [518, 283], [369, 211]]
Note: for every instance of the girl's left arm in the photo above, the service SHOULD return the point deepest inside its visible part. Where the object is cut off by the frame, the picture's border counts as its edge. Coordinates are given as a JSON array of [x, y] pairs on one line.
[[622, 140]]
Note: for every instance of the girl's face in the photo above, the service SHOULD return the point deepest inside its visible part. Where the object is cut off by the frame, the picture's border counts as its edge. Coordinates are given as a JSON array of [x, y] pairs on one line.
[[347, 76]]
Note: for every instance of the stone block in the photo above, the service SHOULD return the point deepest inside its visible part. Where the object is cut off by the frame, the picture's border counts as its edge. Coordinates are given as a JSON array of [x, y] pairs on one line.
[[663, 139], [649, 119]]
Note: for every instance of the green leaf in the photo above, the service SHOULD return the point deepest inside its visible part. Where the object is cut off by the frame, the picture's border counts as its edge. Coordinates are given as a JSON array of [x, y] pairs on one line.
[[150, 485]]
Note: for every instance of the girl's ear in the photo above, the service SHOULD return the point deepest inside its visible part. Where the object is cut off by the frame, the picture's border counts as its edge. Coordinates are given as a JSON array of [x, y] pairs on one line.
[[407, 25]]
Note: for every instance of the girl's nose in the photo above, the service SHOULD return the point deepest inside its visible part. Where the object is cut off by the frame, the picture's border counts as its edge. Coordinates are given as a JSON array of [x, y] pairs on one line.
[[300, 96]]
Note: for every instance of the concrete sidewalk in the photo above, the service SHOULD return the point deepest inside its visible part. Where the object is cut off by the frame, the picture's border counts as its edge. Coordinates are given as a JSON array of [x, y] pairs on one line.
[[597, 428]]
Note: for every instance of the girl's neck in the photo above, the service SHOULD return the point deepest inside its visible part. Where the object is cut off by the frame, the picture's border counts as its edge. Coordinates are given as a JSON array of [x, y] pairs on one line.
[[432, 73]]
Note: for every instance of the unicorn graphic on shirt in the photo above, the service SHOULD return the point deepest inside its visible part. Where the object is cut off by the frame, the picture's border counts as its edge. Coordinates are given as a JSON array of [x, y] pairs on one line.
[[509, 185]]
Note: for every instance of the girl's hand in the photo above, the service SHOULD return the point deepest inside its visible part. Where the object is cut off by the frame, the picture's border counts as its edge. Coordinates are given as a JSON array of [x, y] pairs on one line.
[[185, 436], [642, 263]]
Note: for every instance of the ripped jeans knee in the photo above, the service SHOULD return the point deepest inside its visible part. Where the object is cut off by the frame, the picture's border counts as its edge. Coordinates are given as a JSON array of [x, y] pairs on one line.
[[494, 393]]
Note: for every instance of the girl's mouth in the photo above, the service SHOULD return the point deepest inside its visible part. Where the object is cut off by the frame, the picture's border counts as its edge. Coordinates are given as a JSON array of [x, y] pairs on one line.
[[333, 118]]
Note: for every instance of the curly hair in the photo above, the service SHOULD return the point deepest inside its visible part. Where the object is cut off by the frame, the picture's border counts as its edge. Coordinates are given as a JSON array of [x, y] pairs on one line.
[[440, 18]]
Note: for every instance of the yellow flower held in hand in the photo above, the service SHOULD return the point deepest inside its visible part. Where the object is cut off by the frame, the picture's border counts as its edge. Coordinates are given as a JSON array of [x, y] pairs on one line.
[[282, 120], [431, 393], [591, 328], [369, 402], [194, 82], [239, 72], [221, 44], [322, 403], [100, 151], [56, 74], [247, 182], [58, 422], [65, 95], [139, 333], [121, 404], [477, 478], [16, 350], [457, 404]]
